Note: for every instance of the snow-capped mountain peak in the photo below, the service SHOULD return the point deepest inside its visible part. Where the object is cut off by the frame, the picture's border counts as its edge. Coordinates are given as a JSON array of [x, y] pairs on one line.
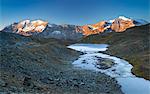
[[119, 24], [120, 17], [111, 21], [30, 26], [124, 18]]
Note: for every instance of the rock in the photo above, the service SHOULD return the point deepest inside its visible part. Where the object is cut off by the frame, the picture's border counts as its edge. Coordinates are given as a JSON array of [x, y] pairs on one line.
[[114, 70], [120, 25], [27, 81], [2, 83], [47, 80], [105, 64], [84, 61], [82, 83], [93, 28]]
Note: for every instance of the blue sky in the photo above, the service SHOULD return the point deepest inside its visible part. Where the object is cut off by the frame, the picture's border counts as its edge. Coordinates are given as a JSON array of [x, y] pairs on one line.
[[77, 12]]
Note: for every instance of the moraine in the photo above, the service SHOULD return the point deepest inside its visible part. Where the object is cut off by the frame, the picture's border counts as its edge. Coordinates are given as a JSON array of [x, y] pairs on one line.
[[121, 69]]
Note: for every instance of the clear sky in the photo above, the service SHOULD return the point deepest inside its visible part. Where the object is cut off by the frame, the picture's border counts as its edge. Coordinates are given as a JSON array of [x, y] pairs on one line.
[[77, 12]]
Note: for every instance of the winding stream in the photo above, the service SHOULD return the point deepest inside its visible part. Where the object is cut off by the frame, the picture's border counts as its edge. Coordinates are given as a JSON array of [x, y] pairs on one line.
[[121, 70]]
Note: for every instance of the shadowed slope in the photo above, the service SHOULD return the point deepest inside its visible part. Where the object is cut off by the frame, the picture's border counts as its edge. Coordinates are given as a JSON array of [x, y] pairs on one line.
[[132, 45]]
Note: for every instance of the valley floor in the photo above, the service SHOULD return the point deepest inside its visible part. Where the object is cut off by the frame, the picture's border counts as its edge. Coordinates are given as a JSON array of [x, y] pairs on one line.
[[31, 65], [93, 59]]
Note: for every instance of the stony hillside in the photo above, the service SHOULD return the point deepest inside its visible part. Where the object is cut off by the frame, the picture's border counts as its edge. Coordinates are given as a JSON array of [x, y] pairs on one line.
[[39, 65], [132, 45]]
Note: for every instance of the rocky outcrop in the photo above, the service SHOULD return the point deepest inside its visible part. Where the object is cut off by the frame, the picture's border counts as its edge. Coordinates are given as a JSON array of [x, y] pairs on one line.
[[120, 24], [93, 28], [27, 27]]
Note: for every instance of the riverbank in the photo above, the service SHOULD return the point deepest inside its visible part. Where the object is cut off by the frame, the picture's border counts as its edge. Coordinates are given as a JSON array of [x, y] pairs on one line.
[[131, 45], [116, 67]]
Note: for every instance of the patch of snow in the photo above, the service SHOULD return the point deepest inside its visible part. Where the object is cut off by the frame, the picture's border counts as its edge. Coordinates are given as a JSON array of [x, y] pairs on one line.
[[93, 28], [27, 25], [40, 28], [141, 22], [24, 22], [37, 21], [125, 18], [89, 47], [28, 28], [111, 21], [50, 25], [56, 32]]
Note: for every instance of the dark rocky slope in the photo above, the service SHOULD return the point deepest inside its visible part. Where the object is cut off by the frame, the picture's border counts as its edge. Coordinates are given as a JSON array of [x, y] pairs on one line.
[[39, 65], [132, 45]]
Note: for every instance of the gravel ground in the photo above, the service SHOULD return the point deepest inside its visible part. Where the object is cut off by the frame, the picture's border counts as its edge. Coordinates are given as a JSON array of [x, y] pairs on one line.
[[31, 66]]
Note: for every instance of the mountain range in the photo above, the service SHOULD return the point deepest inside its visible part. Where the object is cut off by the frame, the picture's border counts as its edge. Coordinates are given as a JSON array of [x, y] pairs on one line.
[[71, 32], [119, 24]]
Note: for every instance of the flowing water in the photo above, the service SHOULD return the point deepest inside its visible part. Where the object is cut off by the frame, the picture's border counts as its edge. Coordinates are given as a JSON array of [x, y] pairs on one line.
[[121, 70]]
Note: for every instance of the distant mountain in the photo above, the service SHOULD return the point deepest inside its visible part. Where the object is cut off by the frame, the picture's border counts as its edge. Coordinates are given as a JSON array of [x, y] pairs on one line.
[[71, 32], [65, 32], [43, 29], [27, 27], [119, 24]]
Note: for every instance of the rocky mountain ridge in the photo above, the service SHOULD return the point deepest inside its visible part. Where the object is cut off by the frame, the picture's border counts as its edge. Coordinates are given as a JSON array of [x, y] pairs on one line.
[[44, 29], [71, 32], [119, 24]]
